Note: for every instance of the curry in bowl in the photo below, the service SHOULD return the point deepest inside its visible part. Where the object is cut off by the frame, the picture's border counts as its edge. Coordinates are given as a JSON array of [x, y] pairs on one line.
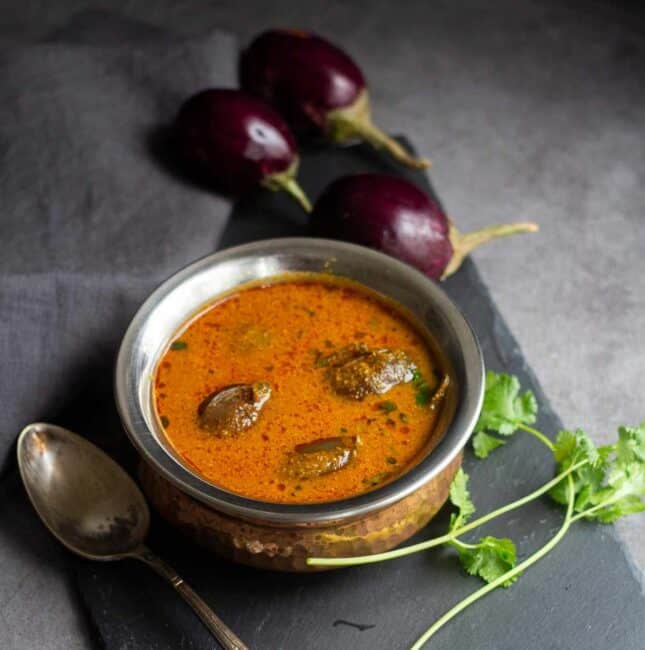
[[303, 389]]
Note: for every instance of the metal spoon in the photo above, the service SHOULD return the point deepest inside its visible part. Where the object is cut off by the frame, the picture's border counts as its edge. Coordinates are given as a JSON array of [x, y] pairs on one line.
[[96, 510]]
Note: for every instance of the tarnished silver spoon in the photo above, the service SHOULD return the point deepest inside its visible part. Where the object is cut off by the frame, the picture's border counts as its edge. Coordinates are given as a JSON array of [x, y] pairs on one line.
[[96, 510]]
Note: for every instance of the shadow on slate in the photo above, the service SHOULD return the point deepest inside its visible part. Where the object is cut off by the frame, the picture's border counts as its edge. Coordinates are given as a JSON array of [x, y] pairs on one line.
[[583, 595]]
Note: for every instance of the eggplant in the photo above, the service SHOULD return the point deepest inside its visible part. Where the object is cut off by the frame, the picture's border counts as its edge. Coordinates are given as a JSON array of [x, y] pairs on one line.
[[319, 457], [392, 215], [439, 394], [356, 371], [236, 141], [317, 87], [233, 409]]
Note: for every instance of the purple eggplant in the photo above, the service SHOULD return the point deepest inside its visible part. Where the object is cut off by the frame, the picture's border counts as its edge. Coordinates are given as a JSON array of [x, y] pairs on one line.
[[236, 141], [317, 87], [393, 215]]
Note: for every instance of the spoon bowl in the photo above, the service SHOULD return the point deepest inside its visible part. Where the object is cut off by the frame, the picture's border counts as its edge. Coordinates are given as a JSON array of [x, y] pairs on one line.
[[96, 510], [85, 499]]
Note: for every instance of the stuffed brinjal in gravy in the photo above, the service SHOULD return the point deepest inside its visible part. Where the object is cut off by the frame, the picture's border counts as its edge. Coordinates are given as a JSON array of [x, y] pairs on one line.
[[318, 457], [356, 371], [233, 409], [305, 389]]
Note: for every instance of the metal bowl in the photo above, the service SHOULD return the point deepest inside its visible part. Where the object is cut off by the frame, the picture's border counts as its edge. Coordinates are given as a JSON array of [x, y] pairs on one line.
[[188, 500]]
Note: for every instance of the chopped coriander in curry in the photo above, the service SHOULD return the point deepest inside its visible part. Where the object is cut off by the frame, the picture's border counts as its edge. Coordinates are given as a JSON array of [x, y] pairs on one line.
[[299, 391]]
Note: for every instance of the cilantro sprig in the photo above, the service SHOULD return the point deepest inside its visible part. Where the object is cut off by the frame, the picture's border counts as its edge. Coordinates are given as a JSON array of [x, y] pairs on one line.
[[460, 498], [597, 484], [504, 411], [490, 557]]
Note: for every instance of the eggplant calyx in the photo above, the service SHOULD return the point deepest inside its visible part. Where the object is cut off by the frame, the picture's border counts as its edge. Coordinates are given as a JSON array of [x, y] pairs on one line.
[[286, 181], [464, 243], [355, 121]]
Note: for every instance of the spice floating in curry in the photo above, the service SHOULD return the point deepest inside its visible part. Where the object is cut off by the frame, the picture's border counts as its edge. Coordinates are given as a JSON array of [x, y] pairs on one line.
[[304, 390]]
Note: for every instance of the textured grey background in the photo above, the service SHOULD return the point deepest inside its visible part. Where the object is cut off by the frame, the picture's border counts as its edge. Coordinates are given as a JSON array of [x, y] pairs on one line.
[[529, 110]]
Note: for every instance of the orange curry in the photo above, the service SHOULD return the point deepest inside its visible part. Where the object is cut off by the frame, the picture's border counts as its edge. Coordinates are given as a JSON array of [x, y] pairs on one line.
[[307, 389]]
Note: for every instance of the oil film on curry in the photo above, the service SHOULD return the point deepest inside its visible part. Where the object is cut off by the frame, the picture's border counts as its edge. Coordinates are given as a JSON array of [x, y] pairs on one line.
[[303, 389]]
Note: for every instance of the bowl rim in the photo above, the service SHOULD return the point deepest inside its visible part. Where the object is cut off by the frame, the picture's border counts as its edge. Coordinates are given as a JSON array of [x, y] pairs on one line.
[[453, 441]]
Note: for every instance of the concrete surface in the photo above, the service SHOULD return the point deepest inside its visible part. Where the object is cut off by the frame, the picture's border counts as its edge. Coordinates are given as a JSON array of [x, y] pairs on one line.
[[528, 110]]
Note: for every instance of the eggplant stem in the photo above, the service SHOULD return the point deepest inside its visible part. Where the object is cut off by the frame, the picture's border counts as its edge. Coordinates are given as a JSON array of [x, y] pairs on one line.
[[370, 133], [286, 181], [291, 186], [355, 121], [464, 243]]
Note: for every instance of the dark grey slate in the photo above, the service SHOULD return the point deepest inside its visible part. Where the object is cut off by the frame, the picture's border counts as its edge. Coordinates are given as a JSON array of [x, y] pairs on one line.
[[584, 595]]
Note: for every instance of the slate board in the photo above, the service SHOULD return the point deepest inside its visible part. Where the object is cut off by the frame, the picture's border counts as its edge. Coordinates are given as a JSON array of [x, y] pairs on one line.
[[585, 594]]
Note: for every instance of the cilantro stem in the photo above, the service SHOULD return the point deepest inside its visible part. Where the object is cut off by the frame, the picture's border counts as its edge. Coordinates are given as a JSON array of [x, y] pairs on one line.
[[538, 434], [599, 506], [459, 544], [379, 557], [519, 502], [437, 541], [532, 559]]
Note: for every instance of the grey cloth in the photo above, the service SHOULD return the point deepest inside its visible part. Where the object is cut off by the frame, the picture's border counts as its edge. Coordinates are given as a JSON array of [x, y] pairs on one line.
[[91, 219]]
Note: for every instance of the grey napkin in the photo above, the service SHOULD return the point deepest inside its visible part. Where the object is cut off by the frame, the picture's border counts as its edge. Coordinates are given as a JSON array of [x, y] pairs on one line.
[[91, 219]]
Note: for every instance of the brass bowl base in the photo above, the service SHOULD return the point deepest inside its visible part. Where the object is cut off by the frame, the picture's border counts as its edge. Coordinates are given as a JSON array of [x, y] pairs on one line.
[[285, 548]]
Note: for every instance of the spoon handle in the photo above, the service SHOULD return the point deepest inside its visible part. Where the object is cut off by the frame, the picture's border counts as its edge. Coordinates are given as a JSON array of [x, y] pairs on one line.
[[218, 628]]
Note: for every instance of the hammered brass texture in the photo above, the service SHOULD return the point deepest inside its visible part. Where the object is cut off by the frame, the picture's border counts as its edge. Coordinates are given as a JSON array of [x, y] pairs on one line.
[[285, 548]]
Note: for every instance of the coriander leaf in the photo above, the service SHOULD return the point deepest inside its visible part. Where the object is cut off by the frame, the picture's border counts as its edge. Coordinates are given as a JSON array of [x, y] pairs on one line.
[[571, 448], [460, 497], [626, 478], [612, 483], [178, 345], [626, 506], [491, 558], [586, 482], [422, 388], [565, 446], [387, 406], [631, 444], [625, 486], [559, 494], [483, 444], [504, 408]]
